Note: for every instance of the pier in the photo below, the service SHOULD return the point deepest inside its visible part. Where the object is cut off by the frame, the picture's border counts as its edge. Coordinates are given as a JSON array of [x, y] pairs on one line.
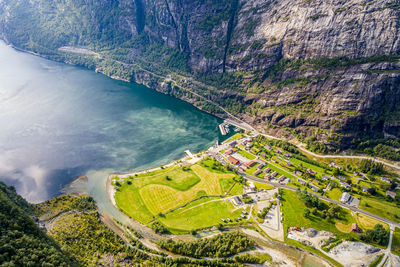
[[222, 129], [190, 154]]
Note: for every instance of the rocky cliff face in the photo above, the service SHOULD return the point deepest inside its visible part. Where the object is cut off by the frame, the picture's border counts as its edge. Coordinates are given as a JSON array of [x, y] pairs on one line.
[[292, 67]]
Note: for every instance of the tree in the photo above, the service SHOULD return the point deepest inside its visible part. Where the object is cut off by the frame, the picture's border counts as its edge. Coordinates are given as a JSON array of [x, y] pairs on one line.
[[371, 190], [337, 171], [377, 235], [306, 213], [314, 211]]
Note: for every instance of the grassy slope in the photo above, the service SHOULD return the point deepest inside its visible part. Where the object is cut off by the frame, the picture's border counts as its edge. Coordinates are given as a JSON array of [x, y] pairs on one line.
[[293, 210], [308, 165], [396, 242], [382, 209], [83, 235]]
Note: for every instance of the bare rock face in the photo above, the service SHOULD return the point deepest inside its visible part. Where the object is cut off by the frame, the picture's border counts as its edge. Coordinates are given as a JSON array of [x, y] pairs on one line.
[[328, 68]]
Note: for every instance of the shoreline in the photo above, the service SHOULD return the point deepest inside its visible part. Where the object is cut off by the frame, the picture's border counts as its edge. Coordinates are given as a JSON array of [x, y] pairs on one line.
[[389, 163]]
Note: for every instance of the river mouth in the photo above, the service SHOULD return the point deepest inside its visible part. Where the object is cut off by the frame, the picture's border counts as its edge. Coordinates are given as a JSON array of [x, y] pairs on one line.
[[60, 122]]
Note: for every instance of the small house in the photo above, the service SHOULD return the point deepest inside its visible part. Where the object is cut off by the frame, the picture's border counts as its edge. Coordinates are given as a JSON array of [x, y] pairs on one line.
[[391, 194], [301, 181], [257, 172], [249, 164], [237, 201], [314, 188], [354, 228], [364, 189], [229, 152], [345, 185], [386, 180], [325, 177]]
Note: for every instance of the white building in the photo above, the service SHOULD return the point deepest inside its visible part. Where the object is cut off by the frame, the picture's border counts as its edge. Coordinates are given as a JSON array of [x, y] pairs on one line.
[[345, 197]]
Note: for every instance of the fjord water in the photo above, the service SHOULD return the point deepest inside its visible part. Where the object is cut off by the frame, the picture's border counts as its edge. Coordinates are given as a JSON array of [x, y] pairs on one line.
[[59, 122]]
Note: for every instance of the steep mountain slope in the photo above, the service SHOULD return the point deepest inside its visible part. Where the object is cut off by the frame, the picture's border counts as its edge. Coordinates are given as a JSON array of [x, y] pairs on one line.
[[22, 243], [294, 68]]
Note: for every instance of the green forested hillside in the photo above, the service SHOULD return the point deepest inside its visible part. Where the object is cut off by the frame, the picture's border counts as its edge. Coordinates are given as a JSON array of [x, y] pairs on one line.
[[22, 243]]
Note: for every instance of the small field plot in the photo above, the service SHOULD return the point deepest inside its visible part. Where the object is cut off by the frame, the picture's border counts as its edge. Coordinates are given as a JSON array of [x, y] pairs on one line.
[[335, 194], [236, 190], [364, 183], [263, 186], [200, 216], [234, 137], [246, 154], [381, 208], [308, 165], [396, 242], [366, 222], [146, 195]]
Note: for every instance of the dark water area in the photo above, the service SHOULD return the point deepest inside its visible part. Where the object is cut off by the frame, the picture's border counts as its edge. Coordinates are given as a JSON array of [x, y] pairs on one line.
[[59, 122]]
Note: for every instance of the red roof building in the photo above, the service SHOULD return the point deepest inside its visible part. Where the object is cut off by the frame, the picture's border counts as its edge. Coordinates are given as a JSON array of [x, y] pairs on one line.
[[354, 228], [233, 160], [249, 164], [229, 152]]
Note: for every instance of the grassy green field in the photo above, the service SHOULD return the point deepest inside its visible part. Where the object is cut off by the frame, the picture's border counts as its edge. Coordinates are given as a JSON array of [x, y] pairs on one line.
[[146, 195], [246, 154], [293, 210], [236, 190], [335, 193], [396, 242], [364, 183], [234, 137], [199, 216], [281, 172], [381, 208], [308, 165], [264, 186]]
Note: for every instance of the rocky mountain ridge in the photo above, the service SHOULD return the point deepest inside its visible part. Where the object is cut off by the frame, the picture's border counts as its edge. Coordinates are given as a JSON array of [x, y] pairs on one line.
[[294, 68]]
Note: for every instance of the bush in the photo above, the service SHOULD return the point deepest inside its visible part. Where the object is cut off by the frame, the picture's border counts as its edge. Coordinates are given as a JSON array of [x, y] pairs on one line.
[[223, 245], [159, 228], [377, 235]]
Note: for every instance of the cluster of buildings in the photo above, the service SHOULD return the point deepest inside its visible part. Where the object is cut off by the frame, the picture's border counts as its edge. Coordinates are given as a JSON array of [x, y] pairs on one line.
[[311, 186]]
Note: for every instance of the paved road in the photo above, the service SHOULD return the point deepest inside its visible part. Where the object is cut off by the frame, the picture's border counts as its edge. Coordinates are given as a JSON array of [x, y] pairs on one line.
[[389, 248], [395, 166], [277, 185], [354, 209]]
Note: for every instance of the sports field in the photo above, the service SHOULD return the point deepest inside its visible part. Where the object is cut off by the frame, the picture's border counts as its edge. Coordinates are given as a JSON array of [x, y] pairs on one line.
[[144, 196], [201, 215]]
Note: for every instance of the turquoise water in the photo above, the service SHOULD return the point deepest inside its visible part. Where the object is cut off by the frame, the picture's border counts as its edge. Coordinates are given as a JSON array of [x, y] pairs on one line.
[[59, 122]]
